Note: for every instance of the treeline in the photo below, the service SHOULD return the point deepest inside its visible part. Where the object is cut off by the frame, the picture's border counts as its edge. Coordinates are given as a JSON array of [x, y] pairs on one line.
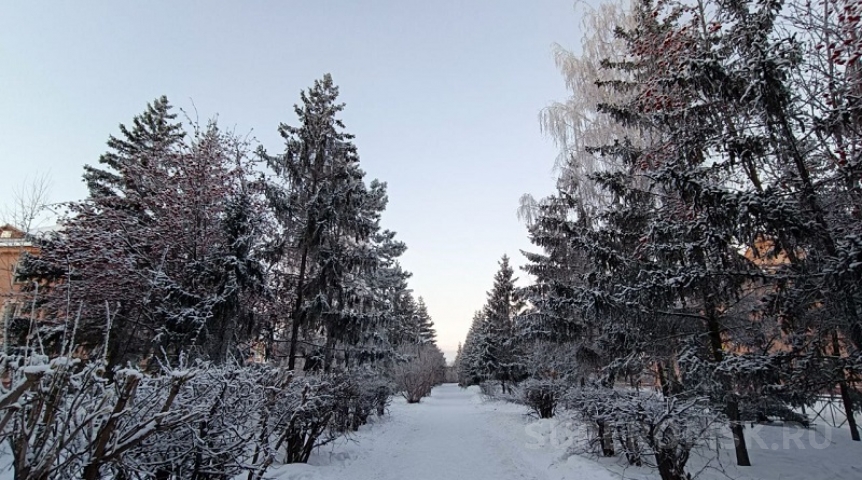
[[705, 232], [211, 308], [191, 243]]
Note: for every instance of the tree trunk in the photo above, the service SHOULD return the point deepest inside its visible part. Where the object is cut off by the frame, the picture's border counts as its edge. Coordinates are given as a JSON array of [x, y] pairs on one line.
[[297, 309], [848, 410], [732, 403], [845, 391], [736, 428], [662, 380], [329, 354], [607, 440], [666, 466]]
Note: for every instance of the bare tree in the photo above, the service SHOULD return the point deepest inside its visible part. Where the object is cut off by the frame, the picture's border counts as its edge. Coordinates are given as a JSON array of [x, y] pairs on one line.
[[420, 373], [27, 207], [25, 210]]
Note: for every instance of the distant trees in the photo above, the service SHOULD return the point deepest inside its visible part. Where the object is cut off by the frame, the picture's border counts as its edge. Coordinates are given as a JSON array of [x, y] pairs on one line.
[[492, 351]]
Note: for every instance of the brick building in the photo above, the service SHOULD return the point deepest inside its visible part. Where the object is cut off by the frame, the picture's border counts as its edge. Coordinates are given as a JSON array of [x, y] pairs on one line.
[[13, 244]]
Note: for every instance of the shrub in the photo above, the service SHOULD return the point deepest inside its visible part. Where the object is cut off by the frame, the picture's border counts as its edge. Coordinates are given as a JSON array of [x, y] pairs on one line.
[[419, 373], [488, 389], [223, 440], [651, 430], [361, 394], [542, 396], [66, 418]]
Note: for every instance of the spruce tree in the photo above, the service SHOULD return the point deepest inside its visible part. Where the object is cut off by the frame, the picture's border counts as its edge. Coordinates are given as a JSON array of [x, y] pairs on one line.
[[152, 135], [469, 372], [425, 326], [329, 247], [498, 349], [318, 161]]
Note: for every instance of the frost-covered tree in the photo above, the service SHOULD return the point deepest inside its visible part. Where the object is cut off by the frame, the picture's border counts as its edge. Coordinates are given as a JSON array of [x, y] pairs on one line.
[[426, 331], [468, 362], [336, 272], [710, 260], [161, 254], [422, 369], [577, 125], [319, 161], [494, 349]]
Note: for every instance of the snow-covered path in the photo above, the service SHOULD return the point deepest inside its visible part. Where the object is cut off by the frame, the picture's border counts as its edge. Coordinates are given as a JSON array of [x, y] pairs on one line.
[[450, 435], [454, 434], [447, 436]]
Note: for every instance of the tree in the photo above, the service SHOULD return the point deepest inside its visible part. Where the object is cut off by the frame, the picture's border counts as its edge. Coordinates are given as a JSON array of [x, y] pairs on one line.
[[319, 163], [423, 369], [468, 361], [161, 255], [28, 202], [335, 269], [728, 134], [496, 345], [425, 326], [576, 125], [26, 209]]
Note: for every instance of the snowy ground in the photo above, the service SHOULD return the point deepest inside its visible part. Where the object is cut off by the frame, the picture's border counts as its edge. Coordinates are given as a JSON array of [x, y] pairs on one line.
[[451, 435], [454, 435]]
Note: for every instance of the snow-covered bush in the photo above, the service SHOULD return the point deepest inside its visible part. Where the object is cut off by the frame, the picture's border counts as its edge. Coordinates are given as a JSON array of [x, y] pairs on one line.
[[314, 410], [303, 418], [362, 394], [489, 389], [553, 360], [64, 419], [224, 440], [375, 395], [649, 429], [542, 396], [420, 372], [595, 405]]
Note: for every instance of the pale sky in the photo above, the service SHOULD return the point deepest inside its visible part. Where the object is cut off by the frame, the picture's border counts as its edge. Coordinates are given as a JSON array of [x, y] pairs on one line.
[[443, 97]]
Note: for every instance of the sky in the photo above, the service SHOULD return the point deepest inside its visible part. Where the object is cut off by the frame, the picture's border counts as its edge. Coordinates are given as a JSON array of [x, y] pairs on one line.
[[443, 97]]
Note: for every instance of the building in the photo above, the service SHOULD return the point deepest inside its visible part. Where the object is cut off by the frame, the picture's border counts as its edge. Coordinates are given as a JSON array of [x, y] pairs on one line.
[[14, 243]]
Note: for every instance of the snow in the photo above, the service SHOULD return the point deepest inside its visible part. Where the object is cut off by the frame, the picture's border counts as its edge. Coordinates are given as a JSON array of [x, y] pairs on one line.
[[450, 435], [456, 434], [129, 373], [181, 374], [36, 369], [777, 453]]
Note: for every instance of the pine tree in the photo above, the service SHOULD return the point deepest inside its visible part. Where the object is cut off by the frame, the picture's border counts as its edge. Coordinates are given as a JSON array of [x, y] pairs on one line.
[[426, 332], [498, 354], [329, 251], [319, 161], [469, 372], [152, 135]]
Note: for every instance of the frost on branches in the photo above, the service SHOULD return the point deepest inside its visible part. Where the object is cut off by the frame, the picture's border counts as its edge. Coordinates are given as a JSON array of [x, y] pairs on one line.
[[704, 238], [210, 310]]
